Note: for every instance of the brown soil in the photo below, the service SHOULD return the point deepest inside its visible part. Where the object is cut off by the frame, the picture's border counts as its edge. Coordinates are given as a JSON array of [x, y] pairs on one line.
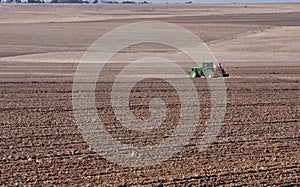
[[259, 140]]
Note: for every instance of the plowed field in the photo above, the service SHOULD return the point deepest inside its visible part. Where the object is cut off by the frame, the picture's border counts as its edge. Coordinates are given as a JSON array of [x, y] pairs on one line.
[[259, 141]]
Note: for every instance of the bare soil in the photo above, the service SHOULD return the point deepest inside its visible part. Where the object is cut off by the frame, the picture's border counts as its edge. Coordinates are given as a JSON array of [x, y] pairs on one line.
[[259, 143]]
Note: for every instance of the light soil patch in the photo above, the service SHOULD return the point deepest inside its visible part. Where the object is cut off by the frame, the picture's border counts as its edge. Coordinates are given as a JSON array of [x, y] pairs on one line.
[[279, 46]]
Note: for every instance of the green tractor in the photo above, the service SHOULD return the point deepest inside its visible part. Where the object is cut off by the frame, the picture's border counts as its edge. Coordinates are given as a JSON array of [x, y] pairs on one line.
[[208, 70]]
